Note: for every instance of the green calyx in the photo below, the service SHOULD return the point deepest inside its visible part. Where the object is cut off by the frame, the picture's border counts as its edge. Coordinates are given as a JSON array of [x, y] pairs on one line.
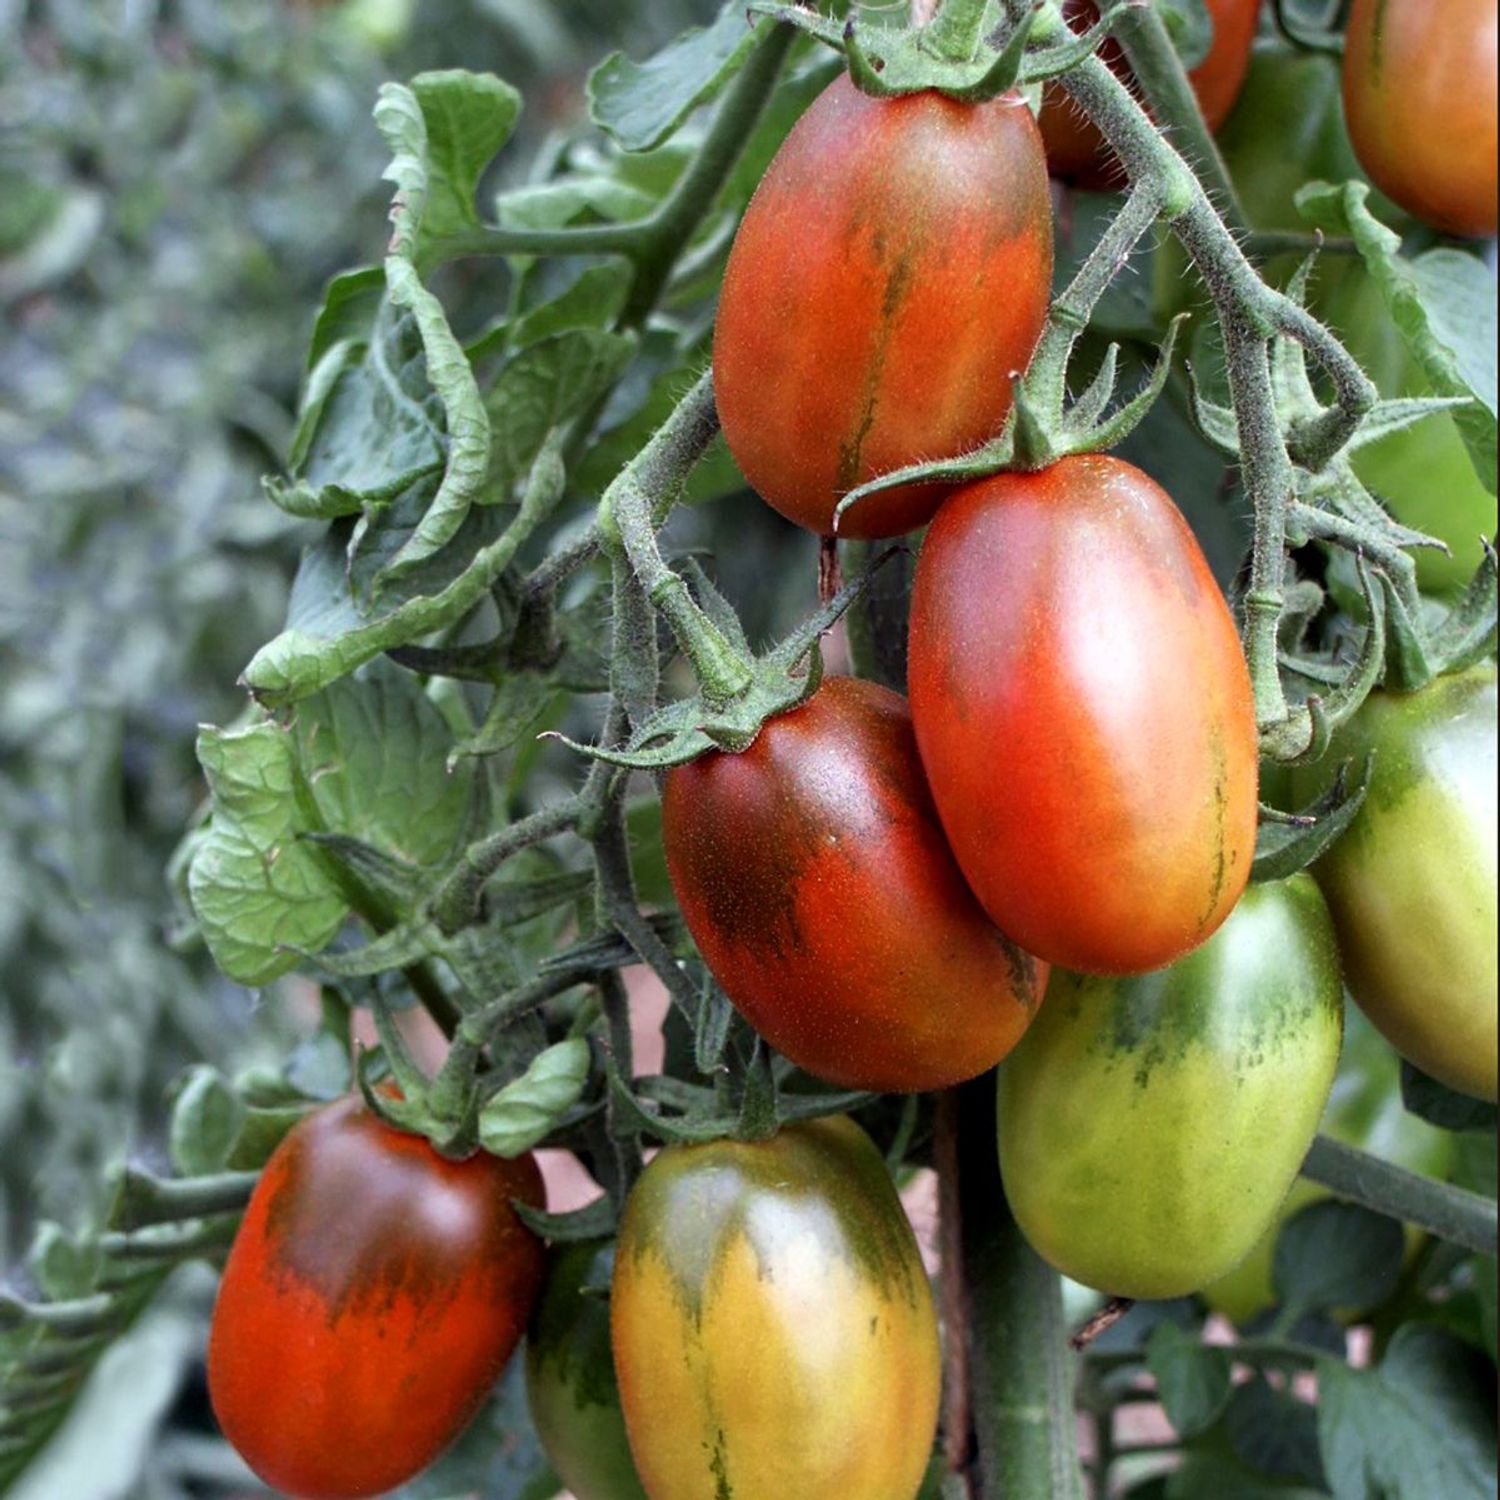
[[775, 683], [959, 52]]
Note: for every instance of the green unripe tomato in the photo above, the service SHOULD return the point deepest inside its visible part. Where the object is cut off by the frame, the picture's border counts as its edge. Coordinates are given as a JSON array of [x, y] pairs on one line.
[[1364, 1110], [1412, 882], [1150, 1127], [570, 1378]]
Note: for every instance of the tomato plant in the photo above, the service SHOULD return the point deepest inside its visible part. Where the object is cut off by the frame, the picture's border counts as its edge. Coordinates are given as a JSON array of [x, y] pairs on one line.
[[1215, 1070], [773, 1328], [890, 274], [372, 1296], [570, 1378], [816, 882], [1420, 99], [1412, 883], [1075, 149], [566, 731], [1069, 643]]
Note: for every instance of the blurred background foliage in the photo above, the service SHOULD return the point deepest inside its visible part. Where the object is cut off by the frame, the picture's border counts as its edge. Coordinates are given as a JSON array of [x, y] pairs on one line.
[[178, 181]]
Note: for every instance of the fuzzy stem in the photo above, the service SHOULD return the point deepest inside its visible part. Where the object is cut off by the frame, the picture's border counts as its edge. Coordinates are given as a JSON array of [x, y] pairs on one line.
[[1021, 1369], [670, 228], [1169, 95], [456, 902], [638, 501], [1451, 1213]]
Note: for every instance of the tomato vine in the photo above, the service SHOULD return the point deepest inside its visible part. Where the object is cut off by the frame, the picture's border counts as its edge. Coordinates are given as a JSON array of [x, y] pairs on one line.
[[459, 558]]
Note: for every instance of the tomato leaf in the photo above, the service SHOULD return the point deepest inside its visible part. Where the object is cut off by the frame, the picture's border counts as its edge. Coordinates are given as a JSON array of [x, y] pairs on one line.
[[524, 1112], [542, 386], [1215, 1478], [594, 1221], [206, 1121], [364, 760], [1274, 1433], [1333, 1254], [443, 131], [1439, 1105], [1192, 1378], [365, 432], [641, 104], [1422, 1424], [1444, 303]]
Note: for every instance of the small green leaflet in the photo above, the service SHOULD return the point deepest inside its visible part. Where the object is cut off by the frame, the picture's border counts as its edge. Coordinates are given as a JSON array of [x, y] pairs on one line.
[[641, 104], [366, 759], [524, 1112]]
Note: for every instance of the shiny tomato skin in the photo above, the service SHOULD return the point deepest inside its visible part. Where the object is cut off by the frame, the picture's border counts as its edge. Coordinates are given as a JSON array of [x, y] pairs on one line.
[[373, 1293], [813, 874], [1412, 882], [1364, 1110], [1151, 1126], [570, 1378], [1420, 99], [889, 278], [773, 1325], [1083, 712], [1077, 152]]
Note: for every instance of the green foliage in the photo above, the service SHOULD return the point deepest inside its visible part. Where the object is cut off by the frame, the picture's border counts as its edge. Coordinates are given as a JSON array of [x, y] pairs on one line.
[[384, 817], [1422, 1423], [528, 1110], [366, 761]]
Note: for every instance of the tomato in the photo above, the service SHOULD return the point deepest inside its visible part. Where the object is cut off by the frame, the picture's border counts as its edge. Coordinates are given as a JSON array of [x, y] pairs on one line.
[[570, 1379], [1420, 98], [1364, 1110], [773, 1326], [372, 1295], [1075, 149], [814, 877], [891, 274], [1412, 881], [1150, 1127], [1084, 714]]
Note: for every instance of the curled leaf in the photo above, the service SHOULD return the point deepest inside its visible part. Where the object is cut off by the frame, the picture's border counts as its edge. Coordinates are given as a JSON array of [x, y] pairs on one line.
[[525, 1111]]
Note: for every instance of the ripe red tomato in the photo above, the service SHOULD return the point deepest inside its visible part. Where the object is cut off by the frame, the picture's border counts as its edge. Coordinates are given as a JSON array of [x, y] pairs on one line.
[[890, 276], [816, 882], [1075, 149], [373, 1293], [1084, 715], [1420, 100]]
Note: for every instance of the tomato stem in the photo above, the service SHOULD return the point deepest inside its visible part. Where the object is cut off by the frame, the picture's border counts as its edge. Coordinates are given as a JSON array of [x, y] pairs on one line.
[[1449, 1212], [1020, 1366]]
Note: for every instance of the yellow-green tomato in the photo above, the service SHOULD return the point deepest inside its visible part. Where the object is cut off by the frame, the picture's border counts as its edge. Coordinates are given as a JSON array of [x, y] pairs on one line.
[[1151, 1126], [1364, 1110], [570, 1378], [1412, 881], [773, 1326]]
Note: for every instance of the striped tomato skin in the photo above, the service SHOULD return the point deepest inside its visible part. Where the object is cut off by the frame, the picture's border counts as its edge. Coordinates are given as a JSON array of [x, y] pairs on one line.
[[773, 1328]]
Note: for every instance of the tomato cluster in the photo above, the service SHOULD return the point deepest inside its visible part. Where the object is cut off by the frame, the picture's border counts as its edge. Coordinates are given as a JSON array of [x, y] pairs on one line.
[[882, 889]]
